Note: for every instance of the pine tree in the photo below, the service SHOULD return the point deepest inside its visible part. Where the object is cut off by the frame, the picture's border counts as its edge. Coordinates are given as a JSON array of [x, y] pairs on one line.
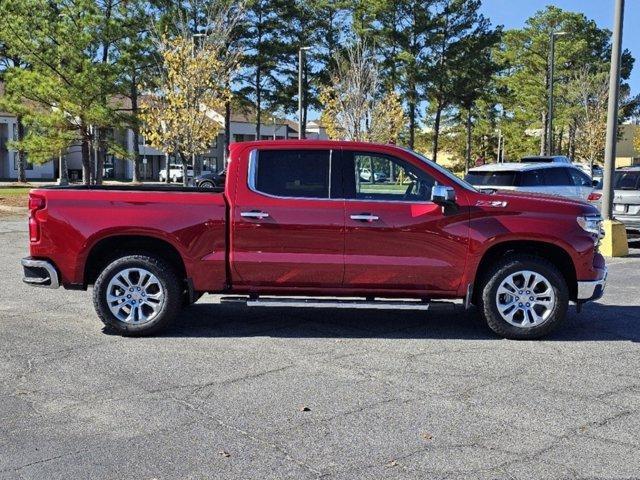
[[461, 33], [524, 56], [66, 75]]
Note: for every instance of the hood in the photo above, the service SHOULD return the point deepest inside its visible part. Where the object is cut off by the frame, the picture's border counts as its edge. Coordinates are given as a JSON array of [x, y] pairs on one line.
[[529, 201]]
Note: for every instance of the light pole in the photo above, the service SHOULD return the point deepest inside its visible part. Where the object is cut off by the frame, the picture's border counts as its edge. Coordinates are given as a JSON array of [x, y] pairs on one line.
[[612, 113], [552, 61], [614, 243], [301, 59]]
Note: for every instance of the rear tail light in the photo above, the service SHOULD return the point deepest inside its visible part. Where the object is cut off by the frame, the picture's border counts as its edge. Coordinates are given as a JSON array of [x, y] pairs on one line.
[[593, 196], [36, 203]]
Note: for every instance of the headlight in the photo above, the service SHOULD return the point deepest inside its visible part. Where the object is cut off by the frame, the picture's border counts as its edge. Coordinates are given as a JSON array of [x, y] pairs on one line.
[[591, 224]]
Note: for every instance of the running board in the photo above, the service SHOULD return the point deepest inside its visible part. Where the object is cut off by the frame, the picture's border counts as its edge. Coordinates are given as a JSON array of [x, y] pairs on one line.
[[331, 303]]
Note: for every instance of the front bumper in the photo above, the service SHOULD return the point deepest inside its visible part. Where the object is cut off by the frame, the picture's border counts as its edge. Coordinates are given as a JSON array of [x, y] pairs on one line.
[[40, 273], [592, 289]]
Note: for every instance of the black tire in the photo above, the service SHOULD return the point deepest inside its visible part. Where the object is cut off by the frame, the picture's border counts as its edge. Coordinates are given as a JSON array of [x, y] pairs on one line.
[[167, 278], [207, 184], [499, 273]]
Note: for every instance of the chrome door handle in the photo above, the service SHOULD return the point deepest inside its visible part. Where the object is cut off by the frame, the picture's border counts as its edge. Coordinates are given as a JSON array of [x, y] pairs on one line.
[[364, 217], [254, 214]]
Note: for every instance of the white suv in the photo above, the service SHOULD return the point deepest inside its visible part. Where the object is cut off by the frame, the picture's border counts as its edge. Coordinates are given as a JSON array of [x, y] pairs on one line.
[[175, 173], [551, 178]]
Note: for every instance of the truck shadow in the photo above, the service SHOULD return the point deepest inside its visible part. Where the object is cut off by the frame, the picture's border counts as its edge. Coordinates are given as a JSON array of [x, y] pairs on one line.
[[597, 322]]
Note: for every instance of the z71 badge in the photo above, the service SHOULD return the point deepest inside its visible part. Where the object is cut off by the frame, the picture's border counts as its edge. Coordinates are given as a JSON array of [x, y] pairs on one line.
[[492, 203]]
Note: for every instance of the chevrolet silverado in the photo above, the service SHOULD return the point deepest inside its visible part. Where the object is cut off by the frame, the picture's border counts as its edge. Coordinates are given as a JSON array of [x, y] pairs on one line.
[[301, 224]]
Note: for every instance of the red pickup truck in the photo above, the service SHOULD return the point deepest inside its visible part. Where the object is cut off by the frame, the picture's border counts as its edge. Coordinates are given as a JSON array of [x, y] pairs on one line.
[[319, 224]]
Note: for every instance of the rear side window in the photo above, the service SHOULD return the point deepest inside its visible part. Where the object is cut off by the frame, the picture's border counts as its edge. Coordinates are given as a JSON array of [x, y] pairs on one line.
[[292, 173], [557, 177], [492, 179], [627, 181], [580, 179]]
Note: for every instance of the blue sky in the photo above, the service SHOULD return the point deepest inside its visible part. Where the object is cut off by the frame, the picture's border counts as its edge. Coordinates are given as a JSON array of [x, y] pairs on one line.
[[513, 14]]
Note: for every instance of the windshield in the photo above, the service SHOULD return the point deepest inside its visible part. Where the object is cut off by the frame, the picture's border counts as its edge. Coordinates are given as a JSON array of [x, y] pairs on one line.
[[450, 175], [492, 178]]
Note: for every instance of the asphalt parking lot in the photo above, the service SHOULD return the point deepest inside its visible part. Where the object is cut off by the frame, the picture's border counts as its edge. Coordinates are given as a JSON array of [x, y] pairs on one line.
[[233, 393]]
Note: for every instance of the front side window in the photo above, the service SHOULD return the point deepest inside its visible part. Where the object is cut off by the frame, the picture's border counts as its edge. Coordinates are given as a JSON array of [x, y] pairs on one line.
[[292, 173], [380, 177]]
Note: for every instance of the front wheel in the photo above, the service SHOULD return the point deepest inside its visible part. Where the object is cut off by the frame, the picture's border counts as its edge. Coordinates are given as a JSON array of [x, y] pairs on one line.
[[137, 295], [523, 297]]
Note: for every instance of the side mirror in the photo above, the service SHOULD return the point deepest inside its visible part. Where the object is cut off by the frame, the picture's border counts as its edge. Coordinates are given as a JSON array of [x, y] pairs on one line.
[[595, 182], [443, 195]]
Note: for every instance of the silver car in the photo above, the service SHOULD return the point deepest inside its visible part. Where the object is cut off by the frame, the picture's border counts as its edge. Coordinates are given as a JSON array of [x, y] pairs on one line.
[[626, 197]]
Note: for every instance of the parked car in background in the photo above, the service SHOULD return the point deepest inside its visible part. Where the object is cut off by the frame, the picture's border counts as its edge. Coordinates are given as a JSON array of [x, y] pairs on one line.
[[594, 172], [175, 173], [211, 179], [550, 178], [378, 177], [545, 159], [626, 197]]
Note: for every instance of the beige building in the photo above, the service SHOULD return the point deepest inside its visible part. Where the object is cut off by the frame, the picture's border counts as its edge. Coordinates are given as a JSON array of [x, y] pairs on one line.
[[626, 154]]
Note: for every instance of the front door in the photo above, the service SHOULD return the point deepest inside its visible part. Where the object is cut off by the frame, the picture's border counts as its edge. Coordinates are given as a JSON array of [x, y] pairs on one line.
[[288, 225], [396, 239]]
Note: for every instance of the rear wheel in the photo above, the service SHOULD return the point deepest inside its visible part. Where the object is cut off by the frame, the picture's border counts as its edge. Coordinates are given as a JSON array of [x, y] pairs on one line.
[[524, 297], [206, 184], [137, 295]]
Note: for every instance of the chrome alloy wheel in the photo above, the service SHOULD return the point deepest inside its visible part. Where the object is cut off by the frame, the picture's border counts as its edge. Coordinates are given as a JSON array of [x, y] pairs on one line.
[[525, 299], [135, 295]]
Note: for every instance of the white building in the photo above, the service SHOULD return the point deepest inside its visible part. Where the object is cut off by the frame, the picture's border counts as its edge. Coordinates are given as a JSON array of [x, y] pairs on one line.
[[243, 129]]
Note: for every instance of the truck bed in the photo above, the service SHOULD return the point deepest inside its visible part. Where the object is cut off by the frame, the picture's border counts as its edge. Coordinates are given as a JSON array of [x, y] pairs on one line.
[[78, 224]]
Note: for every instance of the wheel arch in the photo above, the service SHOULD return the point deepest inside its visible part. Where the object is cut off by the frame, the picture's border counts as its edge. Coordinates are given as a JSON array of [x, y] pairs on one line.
[[109, 248], [548, 251]]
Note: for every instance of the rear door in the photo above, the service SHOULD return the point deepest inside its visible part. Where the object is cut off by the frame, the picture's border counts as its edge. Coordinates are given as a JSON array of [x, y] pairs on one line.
[[396, 239], [559, 182], [288, 220], [582, 182]]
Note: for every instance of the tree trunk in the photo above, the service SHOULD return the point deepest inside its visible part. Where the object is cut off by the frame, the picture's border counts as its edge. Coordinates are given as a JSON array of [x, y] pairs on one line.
[[86, 158], [21, 156], [167, 159], [227, 132], [101, 154], [258, 103], [63, 173], [412, 125], [197, 169], [185, 163], [560, 139], [436, 132], [572, 140], [467, 153], [135, 128], [543, 137]]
